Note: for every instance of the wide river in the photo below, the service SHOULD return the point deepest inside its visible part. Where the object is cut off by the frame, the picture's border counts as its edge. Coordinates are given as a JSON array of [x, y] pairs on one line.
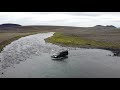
[[30, 57]]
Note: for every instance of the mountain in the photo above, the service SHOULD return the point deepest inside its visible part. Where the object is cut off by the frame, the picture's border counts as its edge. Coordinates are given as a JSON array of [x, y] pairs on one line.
[[104, 27], [9, 25]]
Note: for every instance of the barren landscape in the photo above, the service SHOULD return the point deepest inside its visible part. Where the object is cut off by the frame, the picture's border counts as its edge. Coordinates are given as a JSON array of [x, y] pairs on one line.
[[92, 37], [26, 50]]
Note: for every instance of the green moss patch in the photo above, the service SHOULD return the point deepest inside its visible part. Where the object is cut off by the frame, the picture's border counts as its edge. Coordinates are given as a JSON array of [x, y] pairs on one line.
[[62, 39]]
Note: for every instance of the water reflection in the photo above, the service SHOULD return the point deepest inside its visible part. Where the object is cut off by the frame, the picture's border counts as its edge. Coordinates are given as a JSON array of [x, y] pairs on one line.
[[60, 59]]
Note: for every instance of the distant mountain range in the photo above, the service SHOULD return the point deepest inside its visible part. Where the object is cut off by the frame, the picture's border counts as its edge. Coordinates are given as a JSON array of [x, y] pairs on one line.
[[18, 28], [18, 25]]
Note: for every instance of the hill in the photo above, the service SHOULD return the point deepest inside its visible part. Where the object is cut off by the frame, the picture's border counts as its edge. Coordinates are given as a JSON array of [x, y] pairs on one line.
[[9, 25], [104, 27]]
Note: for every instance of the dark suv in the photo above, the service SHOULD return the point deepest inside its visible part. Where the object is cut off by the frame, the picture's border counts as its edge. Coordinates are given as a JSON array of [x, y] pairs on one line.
[[60, 54]]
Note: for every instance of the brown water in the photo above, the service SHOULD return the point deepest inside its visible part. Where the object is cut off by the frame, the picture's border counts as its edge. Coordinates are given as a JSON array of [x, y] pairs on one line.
[[30, 57]]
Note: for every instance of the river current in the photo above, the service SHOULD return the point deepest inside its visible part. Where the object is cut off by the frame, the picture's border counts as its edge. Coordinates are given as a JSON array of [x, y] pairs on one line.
[[30, 57]]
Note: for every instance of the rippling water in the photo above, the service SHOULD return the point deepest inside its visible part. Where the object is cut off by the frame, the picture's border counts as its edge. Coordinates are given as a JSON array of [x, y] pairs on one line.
[[30, 57], [25, 48]]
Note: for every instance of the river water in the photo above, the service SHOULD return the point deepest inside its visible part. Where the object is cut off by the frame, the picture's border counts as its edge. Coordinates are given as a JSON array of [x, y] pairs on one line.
[[30, 57]]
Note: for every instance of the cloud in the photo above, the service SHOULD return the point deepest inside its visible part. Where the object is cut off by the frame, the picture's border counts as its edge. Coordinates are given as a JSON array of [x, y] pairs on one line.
[[61, 18]]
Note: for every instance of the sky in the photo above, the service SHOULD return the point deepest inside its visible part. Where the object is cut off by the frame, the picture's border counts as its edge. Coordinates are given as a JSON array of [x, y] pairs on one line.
[[79, 19]]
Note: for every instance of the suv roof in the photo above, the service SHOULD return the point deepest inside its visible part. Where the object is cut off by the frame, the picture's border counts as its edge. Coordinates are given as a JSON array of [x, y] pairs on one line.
[[60, 51]]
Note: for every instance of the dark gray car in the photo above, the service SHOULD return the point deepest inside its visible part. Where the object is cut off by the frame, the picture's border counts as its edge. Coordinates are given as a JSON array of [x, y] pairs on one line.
[[60, 54]]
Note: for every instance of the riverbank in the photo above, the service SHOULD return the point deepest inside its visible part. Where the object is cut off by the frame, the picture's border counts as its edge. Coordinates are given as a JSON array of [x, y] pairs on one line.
[[75, 41], [7, 38]]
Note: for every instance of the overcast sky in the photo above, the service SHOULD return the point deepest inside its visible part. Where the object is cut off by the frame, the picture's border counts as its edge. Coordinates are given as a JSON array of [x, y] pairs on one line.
[[80, 19]]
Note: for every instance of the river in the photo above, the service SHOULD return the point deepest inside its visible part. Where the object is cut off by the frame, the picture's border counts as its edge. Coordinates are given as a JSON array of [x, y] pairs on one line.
[[30, 57]]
